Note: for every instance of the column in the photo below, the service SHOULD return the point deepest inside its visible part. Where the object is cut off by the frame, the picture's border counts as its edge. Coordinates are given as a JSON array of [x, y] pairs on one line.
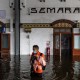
[[17, 27]]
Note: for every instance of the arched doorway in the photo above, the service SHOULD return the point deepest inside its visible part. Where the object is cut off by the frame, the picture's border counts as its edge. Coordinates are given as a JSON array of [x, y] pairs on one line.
[[62, 37]]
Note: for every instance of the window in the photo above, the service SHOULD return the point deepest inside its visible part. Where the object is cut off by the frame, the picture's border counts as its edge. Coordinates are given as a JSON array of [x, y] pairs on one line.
[[62, 30], [5, 41], [76, 41], [42, 0]]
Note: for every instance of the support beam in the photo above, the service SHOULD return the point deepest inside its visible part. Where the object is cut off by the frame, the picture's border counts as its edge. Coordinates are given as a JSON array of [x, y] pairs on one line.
[[17, 27]]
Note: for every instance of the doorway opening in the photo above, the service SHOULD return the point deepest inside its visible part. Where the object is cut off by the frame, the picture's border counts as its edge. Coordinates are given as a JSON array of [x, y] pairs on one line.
[[62, 39]]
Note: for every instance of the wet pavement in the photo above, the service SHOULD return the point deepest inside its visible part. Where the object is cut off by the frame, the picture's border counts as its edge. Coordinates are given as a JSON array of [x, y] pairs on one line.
[[64, 68]]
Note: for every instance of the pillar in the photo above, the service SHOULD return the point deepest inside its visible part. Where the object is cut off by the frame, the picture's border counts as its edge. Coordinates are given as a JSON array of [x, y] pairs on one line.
[[17, 27]]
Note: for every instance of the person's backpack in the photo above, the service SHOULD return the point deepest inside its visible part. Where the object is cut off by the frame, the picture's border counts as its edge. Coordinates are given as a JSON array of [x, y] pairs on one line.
[[35, 58]]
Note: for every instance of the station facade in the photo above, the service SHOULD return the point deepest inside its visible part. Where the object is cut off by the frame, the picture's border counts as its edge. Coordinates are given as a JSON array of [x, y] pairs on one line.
[[57, 22]]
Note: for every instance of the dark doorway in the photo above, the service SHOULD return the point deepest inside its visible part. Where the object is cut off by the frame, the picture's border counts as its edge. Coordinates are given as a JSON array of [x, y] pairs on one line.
[[66, 44], [62, 43]]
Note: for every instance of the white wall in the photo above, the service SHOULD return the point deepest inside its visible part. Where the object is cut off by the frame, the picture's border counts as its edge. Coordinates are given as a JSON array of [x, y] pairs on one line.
[[24, 43], [41, 18], [4, 5], [38, 36], [48, 18]]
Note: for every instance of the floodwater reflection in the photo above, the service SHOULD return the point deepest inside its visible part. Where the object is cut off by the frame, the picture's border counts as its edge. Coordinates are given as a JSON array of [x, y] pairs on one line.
[[4, 70], [64, 68]]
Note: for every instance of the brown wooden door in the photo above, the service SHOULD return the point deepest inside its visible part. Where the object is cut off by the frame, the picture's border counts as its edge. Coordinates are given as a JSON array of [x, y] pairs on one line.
[[56, 44], [66, 44], [62, 44], [5, 46]]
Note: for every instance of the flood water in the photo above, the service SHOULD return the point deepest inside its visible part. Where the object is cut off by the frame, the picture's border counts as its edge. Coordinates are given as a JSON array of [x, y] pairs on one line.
[[64, 68]]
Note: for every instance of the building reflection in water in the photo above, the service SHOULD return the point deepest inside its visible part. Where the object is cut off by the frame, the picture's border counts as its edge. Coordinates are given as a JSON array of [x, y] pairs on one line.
[[17, 68], [37, 78], [47, 58], [4, 69], [64, 68]]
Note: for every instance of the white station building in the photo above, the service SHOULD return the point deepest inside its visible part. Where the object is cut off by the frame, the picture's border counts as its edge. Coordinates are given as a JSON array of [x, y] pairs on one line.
[[53, 22]]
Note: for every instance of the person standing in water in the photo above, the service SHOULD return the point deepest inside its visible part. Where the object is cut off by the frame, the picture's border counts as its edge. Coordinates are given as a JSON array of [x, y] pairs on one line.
[[37, 62]]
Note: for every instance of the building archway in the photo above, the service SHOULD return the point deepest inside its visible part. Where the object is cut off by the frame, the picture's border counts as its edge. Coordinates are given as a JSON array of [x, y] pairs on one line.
[[63, 23], [62, 37]]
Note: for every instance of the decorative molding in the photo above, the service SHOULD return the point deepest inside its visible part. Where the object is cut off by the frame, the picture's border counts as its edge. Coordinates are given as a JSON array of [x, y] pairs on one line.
[[36, 25], [78, 25], [62, 25], [44, 25], [27, 30], [8, 25]]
